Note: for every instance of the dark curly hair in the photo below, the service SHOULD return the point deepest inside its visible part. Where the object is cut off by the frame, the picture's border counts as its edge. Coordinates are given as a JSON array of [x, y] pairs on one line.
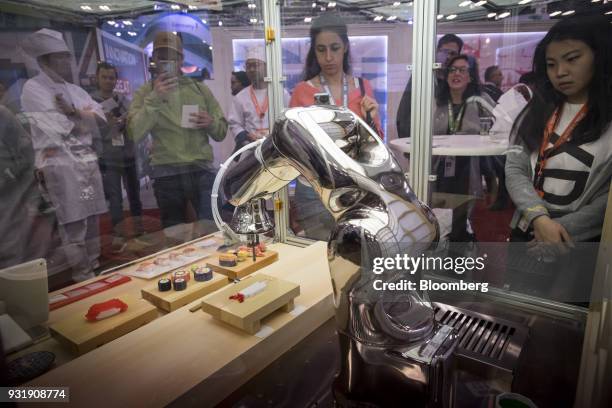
[[473, 88]]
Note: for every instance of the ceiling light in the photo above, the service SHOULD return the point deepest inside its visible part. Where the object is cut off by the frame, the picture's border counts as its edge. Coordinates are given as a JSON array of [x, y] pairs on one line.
[[174, 32], [314, 5], [192, 7], [86, 8], [132, 34], [480, 3], [331, 4], [451, 17], [391, 18], [143, 24], [175, 7], [504, 15], [568, 12], [307, 19], [323, 8], [204, 21], [118, 34], [524, 1], [595, 1], [440, 16], [127, 22], [409, 4], [220, 23], [607, 13], [104, 8], [210, 47], [465, 3], [555, 13], [397, 3], [491, 15], [111, 22], [253, 20], [410, 22], [252, 6], [378, 18]]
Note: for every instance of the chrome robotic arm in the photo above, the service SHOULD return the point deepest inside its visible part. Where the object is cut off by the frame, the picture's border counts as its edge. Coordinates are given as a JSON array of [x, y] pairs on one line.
[[377, 215]]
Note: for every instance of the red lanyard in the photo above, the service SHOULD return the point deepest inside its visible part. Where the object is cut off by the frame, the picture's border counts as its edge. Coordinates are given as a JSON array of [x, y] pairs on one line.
[[261, 110], [546, 153]]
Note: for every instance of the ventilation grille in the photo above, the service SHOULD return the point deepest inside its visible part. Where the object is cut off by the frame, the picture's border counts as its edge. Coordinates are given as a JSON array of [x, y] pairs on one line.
[[485, 338]]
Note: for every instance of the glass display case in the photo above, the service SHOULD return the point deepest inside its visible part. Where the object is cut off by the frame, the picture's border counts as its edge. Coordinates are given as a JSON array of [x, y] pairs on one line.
[[118, 119]]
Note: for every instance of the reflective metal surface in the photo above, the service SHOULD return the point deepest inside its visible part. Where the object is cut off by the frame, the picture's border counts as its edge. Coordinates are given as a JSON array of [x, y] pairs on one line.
[[377, 215], [251, 218]]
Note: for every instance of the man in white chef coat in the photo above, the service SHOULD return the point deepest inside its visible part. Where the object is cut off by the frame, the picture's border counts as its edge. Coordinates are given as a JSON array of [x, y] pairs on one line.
[[64, 123], [248, 117]]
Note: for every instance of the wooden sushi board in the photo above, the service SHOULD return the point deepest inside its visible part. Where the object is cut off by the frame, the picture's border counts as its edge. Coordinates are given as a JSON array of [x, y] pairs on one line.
[[172, 299], [243, 268], [82, 336], [248, 315]]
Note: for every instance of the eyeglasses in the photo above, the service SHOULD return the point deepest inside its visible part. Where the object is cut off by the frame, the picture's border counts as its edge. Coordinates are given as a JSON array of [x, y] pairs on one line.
[[460, 70]]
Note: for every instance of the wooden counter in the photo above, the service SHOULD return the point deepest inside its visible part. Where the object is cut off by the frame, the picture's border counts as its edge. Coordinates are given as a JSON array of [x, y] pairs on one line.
[[183, 352]]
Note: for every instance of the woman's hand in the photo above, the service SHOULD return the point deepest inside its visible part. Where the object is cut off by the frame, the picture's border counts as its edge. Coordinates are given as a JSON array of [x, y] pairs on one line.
[[369, 105], [550, 236]]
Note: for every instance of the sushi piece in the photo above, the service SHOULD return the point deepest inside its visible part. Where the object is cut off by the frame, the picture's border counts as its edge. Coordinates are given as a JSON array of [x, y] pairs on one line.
[[181, 274], [162, 261], [227, 260], [164, 285], [189, 251], [175, 256], [104, 310], [145, 266], [203, 274], [180, 284], [242, 256]]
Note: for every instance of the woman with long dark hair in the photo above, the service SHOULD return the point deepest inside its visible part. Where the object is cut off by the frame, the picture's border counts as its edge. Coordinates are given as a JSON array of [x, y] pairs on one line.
[[559, 172], [328, 70], [460, 105]]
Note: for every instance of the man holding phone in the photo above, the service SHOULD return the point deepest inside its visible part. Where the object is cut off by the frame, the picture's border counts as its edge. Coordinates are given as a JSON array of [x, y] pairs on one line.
[[181, 115]]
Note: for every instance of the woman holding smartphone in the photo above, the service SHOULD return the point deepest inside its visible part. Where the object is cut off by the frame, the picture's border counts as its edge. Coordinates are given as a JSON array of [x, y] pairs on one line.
[[559, 172], [328, 71]]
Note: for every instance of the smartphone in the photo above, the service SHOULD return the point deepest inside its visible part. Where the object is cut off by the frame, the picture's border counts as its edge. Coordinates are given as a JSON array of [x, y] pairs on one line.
[[167, 67], [321, 98]]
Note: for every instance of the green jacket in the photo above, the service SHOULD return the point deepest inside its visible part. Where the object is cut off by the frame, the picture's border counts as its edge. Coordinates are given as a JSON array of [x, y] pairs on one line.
[[172, 144]]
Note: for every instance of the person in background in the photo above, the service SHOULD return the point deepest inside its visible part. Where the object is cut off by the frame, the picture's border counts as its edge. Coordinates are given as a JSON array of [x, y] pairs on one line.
[[204, 74], [239, 81], [558, 175], [248, 116], [449, 46], [18, 189], [493, 77], [64, 122], [328, 71], [460, 105], [117, 156], [182, 115]]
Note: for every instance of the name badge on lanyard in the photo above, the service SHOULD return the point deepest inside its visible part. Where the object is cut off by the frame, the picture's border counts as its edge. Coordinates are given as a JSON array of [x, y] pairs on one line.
[[331, 96]]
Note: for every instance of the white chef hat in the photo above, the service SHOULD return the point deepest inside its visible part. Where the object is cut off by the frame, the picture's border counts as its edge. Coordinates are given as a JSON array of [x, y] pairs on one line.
[[256, 52], [44, 42]]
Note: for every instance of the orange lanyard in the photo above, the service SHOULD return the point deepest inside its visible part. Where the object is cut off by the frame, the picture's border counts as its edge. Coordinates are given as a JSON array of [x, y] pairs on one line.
[[260, 110], [546, 153]]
